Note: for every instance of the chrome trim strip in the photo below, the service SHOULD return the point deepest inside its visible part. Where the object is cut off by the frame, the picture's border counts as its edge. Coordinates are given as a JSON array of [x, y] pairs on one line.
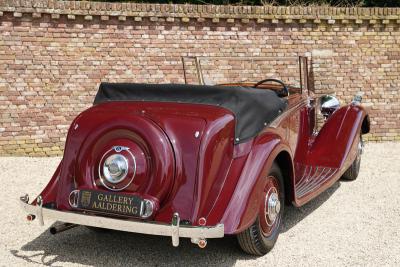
[[303, 176], [316, 176], [275, 123], [307, 177], [318, 182], [305, 189], [314, 180], [149, 228]]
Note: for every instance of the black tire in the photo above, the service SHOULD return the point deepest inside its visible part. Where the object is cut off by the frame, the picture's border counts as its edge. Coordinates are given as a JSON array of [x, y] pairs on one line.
[[352, 172], [252, 240]]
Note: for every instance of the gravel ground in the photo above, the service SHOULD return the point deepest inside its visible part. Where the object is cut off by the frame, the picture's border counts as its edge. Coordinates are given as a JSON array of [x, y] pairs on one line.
[[352, 223]]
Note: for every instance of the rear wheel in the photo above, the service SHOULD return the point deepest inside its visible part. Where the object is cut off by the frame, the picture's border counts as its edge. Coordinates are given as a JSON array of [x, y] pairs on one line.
[[352, 172], [261, 236]]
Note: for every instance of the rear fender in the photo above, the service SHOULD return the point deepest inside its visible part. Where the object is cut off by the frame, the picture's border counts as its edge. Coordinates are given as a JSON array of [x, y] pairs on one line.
[[49, 193], [243, 207]]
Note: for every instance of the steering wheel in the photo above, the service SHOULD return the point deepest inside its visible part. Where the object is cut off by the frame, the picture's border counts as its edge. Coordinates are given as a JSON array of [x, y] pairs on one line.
[[284, 91]]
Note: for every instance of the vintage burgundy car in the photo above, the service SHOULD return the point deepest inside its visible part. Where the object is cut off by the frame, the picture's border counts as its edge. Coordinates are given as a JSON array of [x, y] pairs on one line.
[[201, 162]]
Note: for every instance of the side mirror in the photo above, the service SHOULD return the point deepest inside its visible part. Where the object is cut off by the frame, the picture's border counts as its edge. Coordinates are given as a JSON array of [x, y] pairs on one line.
[[328, 105]]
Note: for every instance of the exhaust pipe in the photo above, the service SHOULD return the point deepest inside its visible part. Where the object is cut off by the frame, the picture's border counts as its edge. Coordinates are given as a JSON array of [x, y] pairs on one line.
[[61, 228]]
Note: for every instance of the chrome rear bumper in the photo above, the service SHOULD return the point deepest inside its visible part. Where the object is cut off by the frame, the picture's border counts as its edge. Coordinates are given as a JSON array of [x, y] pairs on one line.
[[196, 233]]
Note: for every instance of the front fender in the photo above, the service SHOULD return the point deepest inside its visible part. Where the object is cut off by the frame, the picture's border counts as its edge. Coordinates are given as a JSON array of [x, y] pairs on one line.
[[335, 143], [243, 207]]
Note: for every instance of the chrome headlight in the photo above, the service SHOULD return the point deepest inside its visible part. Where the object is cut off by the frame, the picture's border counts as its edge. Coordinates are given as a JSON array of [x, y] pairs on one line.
[[115, 168], [328, 105]]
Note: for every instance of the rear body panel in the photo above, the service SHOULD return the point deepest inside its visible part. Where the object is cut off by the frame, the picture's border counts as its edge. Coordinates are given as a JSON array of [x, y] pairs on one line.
[[198, 139]]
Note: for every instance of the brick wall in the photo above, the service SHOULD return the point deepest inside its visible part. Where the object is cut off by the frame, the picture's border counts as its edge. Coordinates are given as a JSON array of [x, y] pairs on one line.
[[54, 54]]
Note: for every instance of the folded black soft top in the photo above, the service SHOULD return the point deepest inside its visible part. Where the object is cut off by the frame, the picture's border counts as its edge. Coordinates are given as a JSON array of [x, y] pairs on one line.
[[253, 108]]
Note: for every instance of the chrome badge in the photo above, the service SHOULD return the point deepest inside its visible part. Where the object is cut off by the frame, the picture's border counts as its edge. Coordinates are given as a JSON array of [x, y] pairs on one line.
[[118, 149]]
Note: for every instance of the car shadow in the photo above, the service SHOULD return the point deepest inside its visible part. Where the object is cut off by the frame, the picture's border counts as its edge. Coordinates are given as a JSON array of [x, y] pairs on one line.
[[81, 245], [295, 215]]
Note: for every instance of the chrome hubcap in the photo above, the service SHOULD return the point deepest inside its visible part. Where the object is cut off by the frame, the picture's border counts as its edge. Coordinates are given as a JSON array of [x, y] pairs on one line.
[[115, 168], [273, 206]]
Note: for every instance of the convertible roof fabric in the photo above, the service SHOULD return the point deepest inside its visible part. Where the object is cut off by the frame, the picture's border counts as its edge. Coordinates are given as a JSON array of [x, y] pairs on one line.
[[253, 108]]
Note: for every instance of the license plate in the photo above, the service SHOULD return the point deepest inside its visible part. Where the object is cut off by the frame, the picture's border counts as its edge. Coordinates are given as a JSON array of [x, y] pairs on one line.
[[115, 203]]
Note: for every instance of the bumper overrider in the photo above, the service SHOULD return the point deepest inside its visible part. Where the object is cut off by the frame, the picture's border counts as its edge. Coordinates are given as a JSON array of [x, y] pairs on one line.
[[197, 234]]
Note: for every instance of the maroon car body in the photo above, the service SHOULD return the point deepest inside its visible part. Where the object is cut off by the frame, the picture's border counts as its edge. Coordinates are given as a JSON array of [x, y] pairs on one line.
[[191, 179]]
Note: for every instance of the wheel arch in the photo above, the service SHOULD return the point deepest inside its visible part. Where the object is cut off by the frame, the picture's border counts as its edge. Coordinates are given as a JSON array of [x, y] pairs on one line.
[[243, 206], [365, 125], [285, 164]]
